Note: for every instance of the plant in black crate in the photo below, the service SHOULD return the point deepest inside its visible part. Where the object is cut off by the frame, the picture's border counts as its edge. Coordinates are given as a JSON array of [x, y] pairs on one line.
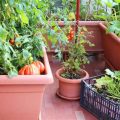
[[101, 95]]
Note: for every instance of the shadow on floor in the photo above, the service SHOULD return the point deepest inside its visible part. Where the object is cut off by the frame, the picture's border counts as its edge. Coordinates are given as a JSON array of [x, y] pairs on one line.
[[55, 108]]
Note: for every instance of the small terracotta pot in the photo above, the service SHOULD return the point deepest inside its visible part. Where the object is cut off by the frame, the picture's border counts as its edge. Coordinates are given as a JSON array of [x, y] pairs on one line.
[[69, 88]]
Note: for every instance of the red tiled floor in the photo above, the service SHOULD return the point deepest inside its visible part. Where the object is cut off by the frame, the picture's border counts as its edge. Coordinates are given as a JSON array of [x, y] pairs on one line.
[[55, 108]]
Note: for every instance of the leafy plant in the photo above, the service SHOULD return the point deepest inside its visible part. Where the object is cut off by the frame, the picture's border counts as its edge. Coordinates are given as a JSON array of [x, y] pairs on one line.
[[107, 10], [113, 18], [93, 10], [114, 26], [62, 10], [23, 25], [109, 84], [113, 23], [76, 54]]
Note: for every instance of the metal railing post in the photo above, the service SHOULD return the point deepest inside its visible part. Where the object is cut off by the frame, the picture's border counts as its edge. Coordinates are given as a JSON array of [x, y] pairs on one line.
[[77, 16]]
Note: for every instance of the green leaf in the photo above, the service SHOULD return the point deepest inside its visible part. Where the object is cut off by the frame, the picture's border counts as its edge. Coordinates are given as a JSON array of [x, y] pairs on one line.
[[12, 73], [111, 3], [26, 53], [24, 18], [114, 27], [1, 46], [11, 2], [117, 75], [109, 72], [3, 33], [117, 1], [12, 50]]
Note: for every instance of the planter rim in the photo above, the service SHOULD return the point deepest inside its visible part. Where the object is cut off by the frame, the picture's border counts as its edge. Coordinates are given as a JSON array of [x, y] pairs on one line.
[[30, 79], [89, 23], [113, 35], [62, 23], [70, 80]]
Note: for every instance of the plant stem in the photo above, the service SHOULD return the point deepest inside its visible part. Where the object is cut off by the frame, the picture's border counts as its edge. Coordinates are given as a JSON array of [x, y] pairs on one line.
[[115, 13]]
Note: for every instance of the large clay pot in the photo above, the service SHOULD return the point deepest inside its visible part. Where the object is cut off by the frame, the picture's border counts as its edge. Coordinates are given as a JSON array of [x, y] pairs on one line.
[[69, 88], [21, 96]]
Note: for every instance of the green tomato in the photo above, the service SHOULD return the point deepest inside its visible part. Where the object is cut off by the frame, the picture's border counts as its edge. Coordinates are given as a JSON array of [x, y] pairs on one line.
[[31, 59], [18, 44], [71, 16]]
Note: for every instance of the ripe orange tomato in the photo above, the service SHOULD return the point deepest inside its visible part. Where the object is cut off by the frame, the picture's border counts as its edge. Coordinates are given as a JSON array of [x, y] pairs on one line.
[[12, 41], [29, 70], [71, 34], [69, 38], [40, 66]]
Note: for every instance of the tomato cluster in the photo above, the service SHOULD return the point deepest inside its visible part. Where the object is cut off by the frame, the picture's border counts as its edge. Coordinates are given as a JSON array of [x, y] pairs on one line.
[[36, 68], [71, 34]]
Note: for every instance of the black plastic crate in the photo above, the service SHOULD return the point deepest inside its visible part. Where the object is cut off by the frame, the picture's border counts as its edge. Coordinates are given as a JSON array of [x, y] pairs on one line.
[[103, 108]]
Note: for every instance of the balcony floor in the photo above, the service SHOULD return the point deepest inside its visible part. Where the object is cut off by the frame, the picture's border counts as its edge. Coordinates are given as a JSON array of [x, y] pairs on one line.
[[55, 108]]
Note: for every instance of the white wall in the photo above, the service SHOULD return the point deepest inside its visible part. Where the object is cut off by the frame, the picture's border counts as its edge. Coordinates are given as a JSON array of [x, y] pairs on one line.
[[93, 3]]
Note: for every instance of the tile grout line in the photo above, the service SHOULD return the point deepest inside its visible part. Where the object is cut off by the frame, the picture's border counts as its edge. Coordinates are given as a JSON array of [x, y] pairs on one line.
[[79, 115]]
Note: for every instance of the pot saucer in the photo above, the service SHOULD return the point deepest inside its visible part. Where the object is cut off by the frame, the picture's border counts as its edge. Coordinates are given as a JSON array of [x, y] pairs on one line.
[[66, 98]]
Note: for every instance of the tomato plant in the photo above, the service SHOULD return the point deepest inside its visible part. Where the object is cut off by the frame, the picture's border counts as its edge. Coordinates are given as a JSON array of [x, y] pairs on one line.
[[105, 10], [61, 10], [23, 25], [77, 55]]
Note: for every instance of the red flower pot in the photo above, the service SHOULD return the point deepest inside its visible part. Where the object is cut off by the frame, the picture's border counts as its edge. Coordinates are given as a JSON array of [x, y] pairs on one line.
[[69, 88]]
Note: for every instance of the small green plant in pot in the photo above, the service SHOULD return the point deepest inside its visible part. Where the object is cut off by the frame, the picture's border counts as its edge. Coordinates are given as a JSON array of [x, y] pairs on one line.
[[71, 74]]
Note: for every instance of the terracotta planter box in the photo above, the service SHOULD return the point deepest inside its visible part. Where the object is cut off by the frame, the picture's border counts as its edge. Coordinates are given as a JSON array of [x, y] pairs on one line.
[[96, 38], [107, 43], [21, 97], [111, 46]]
